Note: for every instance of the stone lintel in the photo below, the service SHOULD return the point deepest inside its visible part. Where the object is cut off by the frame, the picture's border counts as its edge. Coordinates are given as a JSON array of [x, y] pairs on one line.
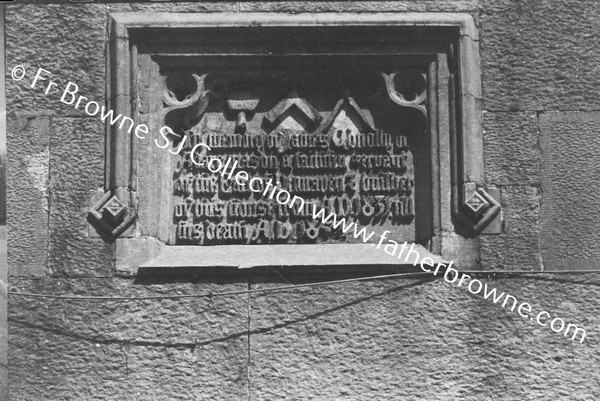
[[123, 21]]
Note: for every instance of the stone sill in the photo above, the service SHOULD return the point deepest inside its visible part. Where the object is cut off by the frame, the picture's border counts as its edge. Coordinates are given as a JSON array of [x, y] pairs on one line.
[[309, 255], [149, 253]]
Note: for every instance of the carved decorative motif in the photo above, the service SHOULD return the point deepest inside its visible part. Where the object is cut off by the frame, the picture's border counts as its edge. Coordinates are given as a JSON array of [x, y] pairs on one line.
[[480, 207], [296, 108], [340, 162], [348, 106], [195, 104], [417, 103], [242, 103], [111, 216], [114, 209], [457, 121], [476, 204]]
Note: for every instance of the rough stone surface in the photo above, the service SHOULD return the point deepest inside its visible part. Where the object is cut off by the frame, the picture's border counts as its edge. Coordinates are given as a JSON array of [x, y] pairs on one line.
[[290, 6], [77, 146], [519, 246], [3, 165], [406, 339], [27, 191], [511, 148], [200, 7], [571, 189], [63, 350], [421, 340], [67, 40], [3, 317], [540, 55], [309, 6], [464, 6]]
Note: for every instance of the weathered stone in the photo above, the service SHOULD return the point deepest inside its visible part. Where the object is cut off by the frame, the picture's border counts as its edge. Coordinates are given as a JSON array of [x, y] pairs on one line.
[[4, 270], [570, 217], [295, 7], [465, 6], [3, 316], [540, 55], [135, 350], [43, 37], [511, 148], [463, 251], [519, 246], [354, 341], [27, 193], [198, 7], [76, 169]]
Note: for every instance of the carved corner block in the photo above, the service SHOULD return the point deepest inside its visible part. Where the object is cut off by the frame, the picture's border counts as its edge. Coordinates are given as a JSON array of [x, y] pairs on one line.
[[480, 209], [111, 215]]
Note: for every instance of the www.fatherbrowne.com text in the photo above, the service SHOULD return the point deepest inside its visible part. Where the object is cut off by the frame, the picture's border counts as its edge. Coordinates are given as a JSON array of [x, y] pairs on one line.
[[404, 252]]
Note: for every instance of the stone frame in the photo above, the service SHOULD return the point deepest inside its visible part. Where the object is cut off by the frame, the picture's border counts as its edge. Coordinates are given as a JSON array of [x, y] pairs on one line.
[[455, 127]]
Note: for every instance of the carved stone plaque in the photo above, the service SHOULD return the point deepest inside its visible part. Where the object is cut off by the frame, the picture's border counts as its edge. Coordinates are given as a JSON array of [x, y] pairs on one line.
[[330, 138], [375, 118]]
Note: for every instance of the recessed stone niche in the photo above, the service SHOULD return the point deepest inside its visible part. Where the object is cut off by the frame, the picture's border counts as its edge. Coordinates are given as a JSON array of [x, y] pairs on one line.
[[375, 117]]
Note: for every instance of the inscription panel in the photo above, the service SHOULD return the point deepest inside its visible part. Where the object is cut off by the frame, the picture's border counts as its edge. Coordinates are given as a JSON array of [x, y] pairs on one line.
[[307, 140], [249, 65]]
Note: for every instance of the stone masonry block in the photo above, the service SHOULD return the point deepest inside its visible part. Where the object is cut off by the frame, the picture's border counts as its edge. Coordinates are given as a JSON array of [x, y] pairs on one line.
[[462, 6], [511, 148], [540, 55], [413, 339], [196, 7], [570, 216], [295, 7], [136, 350], [354, 341], [68, 40], [519, 246], [27, 193], [77, 168]]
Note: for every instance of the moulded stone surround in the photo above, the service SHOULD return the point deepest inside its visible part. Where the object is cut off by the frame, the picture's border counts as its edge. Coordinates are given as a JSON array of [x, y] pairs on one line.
[[121, 174]]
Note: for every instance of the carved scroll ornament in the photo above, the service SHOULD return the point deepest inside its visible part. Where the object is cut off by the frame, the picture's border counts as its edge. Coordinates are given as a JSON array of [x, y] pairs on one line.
[[417, 103], [196, 103]]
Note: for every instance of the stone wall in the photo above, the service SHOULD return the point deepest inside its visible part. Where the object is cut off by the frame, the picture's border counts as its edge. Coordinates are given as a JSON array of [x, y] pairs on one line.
[[396, 339]]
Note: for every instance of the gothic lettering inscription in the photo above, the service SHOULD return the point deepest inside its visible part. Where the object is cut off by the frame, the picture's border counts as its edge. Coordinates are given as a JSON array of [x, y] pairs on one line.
[[336, 160]]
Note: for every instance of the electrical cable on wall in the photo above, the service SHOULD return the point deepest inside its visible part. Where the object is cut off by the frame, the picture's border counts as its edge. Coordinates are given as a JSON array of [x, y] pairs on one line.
[[288, 287]]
